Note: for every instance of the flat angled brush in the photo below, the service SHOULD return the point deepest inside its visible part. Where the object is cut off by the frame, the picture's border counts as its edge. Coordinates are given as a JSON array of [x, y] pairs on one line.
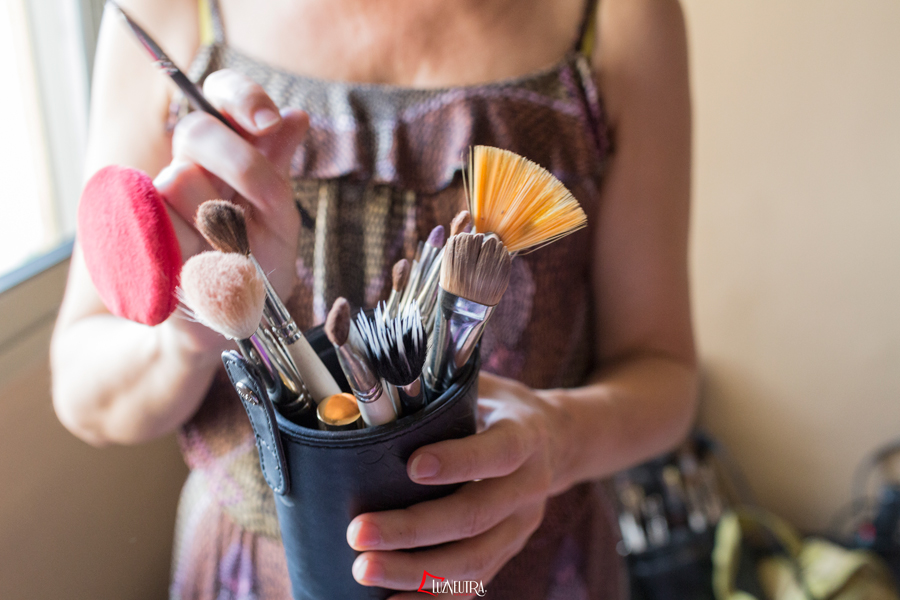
[[474, 276]]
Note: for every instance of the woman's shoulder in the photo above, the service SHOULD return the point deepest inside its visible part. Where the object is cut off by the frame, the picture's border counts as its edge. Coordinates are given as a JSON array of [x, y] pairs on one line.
[[174, 24], [129, 96], [641, 47]]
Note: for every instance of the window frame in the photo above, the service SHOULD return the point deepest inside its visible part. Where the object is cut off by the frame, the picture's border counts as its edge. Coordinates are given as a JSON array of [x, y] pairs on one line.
[[62, 36]]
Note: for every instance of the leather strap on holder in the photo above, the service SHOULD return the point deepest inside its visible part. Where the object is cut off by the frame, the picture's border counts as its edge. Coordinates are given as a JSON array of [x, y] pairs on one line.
[[261, 412]]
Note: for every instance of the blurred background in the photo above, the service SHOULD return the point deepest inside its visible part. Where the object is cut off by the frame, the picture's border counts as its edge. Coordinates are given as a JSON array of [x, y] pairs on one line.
[[795, 261]]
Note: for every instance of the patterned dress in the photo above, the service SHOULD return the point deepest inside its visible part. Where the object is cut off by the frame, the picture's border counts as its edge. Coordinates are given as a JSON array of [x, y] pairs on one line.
[[379, 168]]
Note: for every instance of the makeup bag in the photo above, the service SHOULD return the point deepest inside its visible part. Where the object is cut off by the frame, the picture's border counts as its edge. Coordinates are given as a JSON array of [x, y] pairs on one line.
[[323, 479]]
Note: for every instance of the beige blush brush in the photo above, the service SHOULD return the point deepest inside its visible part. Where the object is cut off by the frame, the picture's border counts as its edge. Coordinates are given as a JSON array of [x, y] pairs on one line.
[[225, 292], [224, 226]]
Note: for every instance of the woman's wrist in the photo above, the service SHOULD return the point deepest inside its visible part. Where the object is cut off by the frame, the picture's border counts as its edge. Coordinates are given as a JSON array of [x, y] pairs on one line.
[[576, 429]]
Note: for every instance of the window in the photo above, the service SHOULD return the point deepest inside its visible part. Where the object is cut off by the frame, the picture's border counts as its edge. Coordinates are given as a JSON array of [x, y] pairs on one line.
[[45, 53]]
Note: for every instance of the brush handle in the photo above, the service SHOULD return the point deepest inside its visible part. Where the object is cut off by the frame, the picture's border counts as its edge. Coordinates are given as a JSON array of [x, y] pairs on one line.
[[300, 401], [318, 379], [458, 326], [375, 403], [411, 397]]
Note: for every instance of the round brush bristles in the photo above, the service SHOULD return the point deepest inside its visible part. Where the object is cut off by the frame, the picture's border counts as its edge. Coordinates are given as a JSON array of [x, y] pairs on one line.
[[224, 226], [400, 275], [518, 200], [460, 222], [397, 346], [225, 292], [337, 324], [476, 267]]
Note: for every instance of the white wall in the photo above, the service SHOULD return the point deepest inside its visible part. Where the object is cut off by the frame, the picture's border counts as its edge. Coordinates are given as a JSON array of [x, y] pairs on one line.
[[796, 239], [76, 523]]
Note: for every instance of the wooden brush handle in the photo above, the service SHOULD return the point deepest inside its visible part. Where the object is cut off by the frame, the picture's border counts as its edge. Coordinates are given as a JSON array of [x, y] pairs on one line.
[[315, 374]]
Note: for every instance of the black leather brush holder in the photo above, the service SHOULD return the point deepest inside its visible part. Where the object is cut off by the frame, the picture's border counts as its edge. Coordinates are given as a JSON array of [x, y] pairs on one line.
[[323, 479]]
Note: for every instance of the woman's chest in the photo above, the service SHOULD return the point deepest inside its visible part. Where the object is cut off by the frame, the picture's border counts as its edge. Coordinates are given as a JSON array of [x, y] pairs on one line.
[[412, 43]]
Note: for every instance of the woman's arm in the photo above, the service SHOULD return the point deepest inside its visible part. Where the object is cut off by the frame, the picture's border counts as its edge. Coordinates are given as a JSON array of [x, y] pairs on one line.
[[119, 381], [641, 399]]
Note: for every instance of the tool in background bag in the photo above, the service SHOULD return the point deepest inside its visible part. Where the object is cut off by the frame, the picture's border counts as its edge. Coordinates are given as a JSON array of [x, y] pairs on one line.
[[668, 509], [791, 568], [873, 519]]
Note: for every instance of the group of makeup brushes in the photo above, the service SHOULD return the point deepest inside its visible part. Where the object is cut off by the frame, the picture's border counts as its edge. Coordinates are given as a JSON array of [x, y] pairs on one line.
[[408, 350]]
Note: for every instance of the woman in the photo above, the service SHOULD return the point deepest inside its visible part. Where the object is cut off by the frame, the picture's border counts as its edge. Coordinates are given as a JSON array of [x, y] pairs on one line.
[[591, 349]]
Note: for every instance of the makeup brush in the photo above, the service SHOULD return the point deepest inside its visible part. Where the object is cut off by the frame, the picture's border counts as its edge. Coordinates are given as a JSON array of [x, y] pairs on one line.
[[396, 348], [224, 226], [421, 267], [375, 403], [474, 276], [518, 200], [399, 279], [460, 222], [427, 297], [226, 293]]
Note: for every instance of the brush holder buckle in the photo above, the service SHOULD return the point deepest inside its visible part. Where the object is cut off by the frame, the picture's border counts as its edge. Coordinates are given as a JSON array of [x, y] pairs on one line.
[[323, 479]]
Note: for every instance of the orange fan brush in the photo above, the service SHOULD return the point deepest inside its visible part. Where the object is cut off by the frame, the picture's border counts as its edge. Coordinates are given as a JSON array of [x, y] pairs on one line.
[[519, 200]]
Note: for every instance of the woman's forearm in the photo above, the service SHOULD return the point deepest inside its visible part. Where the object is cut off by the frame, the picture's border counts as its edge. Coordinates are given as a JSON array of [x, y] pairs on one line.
[[629, 412], [115, 381]]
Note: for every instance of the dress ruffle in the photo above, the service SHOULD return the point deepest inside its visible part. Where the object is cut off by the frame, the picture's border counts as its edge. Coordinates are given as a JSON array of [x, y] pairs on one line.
[[419, 139]]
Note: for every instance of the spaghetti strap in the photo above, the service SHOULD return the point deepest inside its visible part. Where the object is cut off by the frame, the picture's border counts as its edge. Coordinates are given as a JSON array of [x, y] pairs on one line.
[[587, 33], [212, 30]]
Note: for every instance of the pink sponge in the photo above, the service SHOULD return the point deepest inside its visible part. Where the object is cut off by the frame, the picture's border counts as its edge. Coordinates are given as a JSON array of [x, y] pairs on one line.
[[129, 245]]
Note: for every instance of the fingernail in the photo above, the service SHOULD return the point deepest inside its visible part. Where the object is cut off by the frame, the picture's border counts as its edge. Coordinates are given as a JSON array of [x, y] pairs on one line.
[[363, 535], [424, 466], [265, 118], [366, 571]]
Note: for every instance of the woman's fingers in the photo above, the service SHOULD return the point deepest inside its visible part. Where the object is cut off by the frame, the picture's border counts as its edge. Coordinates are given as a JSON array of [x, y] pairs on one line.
[[185, 186], [475, 508], [243, 100], [495, 452], [474, 559], [207, 142], [281, 145]]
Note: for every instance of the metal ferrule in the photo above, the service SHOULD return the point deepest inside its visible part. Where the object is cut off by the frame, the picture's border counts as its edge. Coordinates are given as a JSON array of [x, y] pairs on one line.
[[427, 298], [300, 399], [248, 349], [458, 326], [276, 312], [363, 381], [375, 403]]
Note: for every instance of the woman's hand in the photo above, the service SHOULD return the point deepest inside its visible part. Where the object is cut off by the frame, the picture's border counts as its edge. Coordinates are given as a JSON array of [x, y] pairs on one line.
[[209, 161], [511, 466]]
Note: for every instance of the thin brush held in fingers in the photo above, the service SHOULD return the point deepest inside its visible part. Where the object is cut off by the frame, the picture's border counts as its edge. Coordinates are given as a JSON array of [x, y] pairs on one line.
[[375, 404], [397, 349], [191, 92], [518, 200], [474, 276], [224, 226]]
